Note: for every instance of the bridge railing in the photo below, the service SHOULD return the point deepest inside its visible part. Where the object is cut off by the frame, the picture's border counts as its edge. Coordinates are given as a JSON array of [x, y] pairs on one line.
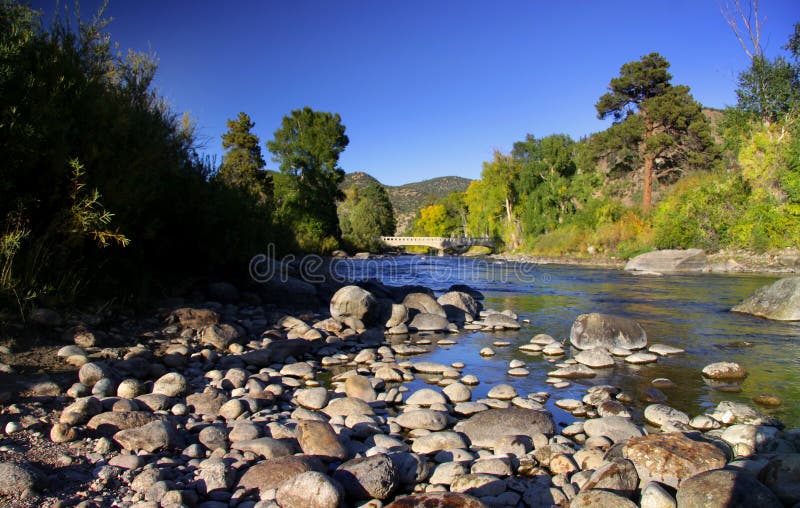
[[443, 239]]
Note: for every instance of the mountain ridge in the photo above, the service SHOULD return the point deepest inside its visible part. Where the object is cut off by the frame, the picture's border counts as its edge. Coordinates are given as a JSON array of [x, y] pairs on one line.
[[408, 198]]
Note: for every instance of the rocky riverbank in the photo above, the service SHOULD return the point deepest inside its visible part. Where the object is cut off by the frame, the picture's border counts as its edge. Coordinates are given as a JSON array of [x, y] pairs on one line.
[[232, 402], [786, 261]]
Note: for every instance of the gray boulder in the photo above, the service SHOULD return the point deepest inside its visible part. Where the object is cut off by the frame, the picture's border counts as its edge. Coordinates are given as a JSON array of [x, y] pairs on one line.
[[18, 478], [779, 301], [310, 490], [484, 429], [604, 330], [423, 303], [151, 437], [354, 302], [498, 320], [459, 306], [689, 260], [724, 487], [425, 322], [368, 478]]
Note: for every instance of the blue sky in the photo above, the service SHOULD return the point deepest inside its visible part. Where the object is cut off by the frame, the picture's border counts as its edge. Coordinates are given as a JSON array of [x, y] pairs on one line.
[[426, 88]]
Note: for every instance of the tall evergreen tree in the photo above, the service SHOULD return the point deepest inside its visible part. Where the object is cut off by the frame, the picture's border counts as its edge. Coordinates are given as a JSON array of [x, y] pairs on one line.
[[243, 165], [672, 132]]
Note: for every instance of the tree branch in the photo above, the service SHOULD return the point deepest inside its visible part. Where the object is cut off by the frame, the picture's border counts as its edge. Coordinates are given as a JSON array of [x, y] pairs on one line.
[[751, 23]]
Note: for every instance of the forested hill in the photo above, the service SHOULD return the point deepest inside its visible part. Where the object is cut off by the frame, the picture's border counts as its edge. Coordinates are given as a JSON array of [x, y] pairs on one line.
[[407, 199]]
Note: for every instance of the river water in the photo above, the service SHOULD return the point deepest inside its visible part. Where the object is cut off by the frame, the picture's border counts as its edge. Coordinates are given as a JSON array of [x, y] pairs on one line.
[[688, 311]]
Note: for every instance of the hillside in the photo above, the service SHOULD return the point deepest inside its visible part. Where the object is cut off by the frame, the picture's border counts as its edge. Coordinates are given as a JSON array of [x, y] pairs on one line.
[[407, 199]]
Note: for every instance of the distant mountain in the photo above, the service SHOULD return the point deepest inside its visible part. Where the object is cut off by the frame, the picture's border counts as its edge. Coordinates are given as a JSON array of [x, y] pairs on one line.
[[407, 199]]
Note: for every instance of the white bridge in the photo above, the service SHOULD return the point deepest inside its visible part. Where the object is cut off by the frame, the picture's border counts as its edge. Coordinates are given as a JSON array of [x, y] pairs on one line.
[[440, 243]]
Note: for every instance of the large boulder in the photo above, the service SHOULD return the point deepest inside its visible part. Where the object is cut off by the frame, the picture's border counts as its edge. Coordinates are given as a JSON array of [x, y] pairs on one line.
[[725, 487], [779, 301], [423, 303], [271, 473], [368, 477], [459, 306], [486, 428], [437, 500], [671, 458], [607, 331], [689, 260], [354, 302]]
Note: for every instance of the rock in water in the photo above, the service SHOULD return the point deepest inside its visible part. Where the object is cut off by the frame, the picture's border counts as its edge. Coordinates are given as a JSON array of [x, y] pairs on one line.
[[689, 260], [603, 330], [354, 302], [779, 301], [725, 488], [486, 428]]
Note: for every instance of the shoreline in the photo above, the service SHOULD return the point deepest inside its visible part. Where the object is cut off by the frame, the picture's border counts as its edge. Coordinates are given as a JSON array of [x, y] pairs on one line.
[[784, 263]]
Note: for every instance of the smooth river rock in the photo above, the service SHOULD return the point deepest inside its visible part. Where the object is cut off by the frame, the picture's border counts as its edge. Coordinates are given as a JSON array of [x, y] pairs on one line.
[[779, 301], [354, 302], [604, 330], [486, 428], [724, 487]]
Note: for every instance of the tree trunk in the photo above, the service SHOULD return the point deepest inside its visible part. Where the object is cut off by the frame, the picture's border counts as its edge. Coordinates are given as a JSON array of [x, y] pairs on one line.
[[512, 225]]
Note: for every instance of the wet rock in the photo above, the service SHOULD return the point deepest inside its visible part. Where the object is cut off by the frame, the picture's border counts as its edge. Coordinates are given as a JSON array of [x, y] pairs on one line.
[[603, 330], [459, 306], [354, 302], [318, 439], [595, 358], [423, 304], [498, 320], [575, 371], [437, 500], [782, 476], [724, 487], [724, 370], [310, 489], [665, 261], [778, 301], [671, 458], [425, 322], [487, 428], [368, 478]]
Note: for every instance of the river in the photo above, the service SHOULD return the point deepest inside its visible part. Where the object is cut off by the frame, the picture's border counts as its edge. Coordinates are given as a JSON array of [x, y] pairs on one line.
[[688, 311]]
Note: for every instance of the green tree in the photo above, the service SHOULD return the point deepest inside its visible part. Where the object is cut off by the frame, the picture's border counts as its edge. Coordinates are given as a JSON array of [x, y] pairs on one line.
[[768, 89], [365, 215], [307, 146], [243, 165], [668, 126]]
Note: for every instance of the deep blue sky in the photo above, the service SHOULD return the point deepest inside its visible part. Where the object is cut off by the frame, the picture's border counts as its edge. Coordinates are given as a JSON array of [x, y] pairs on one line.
[[426, 88]]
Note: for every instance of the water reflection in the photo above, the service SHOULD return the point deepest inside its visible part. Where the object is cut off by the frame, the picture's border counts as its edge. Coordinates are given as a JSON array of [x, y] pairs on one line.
[[686, 311]]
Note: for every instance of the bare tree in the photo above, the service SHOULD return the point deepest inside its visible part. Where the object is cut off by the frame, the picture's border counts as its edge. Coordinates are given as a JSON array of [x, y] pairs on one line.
[[749, 33]]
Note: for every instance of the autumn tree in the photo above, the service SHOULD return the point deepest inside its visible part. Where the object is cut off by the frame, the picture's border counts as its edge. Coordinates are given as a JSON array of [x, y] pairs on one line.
[[670, 131]]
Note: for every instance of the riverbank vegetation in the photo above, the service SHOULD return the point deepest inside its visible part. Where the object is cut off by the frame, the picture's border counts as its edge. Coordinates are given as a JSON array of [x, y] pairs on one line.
[[103, 190], [667, 173]]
